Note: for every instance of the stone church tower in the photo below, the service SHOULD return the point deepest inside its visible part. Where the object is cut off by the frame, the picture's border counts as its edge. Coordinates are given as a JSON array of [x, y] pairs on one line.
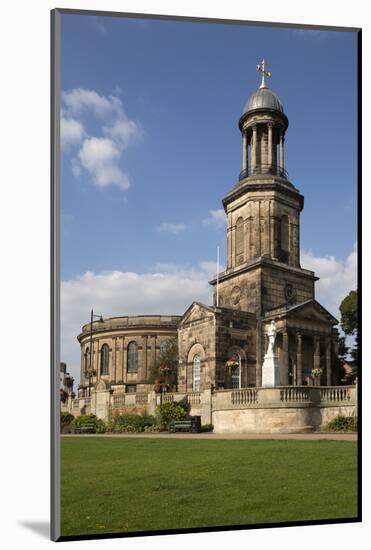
[[264, 279]]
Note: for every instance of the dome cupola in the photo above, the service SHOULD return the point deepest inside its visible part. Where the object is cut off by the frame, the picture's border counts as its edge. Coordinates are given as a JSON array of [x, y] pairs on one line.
[[263, 125]]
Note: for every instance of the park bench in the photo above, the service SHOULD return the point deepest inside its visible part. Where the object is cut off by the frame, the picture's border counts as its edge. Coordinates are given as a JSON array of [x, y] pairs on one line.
[[190, 425], [89, 427]]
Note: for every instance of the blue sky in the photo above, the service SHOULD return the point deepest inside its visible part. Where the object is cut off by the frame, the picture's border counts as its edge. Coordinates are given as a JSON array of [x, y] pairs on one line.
[[151, 146]]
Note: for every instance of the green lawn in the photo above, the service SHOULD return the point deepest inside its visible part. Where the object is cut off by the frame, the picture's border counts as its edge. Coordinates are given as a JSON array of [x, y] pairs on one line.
[[122, 485]]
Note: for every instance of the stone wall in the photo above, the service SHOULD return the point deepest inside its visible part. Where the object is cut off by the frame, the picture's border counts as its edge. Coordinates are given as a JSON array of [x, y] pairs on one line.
[[287, 409], [147, 331], [196, 337], [241, 292], [284, 409], [276, 279]]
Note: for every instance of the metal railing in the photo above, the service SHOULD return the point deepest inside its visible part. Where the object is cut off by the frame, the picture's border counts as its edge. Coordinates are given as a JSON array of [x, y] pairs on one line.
[[263, 169]]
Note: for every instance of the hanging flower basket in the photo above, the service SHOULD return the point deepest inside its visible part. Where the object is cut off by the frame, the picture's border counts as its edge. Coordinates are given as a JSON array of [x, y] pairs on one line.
[[232, 364], [316, 373]]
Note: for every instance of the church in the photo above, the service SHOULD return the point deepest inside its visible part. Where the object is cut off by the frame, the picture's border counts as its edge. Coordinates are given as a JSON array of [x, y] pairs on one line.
[[222, 346]]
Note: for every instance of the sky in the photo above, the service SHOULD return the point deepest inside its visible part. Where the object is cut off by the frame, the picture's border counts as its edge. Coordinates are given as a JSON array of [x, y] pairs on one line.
[[150, 145]]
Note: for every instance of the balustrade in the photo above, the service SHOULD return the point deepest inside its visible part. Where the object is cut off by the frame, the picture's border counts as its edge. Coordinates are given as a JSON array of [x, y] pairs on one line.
[[118, 400], [338, 394], [194, 398], [167, 397], [141, 398], [248, 396], [290, 395]]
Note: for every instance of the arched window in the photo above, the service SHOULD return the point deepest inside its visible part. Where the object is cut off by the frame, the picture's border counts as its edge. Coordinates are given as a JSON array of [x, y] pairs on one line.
[[236, 371], [132, 357], [196, 373], [285, 233], [104, 359], [239, 237]]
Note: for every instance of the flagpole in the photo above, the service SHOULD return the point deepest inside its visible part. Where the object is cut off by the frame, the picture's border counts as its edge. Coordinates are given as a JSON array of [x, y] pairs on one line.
[[217, 276]]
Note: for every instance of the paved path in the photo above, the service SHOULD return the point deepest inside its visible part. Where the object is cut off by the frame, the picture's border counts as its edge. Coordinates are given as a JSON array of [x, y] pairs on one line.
[[302, 437]]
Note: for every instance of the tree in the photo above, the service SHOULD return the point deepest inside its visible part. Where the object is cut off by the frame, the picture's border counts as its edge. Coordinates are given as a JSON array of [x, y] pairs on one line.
[[349, 313], [349, 324], [164, 373]]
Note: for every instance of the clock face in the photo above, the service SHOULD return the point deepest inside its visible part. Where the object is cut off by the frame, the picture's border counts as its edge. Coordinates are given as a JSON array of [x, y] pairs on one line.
[[290, 292], [236, 294]]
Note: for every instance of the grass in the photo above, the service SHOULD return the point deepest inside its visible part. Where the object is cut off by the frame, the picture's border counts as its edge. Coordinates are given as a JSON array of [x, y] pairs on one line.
[[123, 485]]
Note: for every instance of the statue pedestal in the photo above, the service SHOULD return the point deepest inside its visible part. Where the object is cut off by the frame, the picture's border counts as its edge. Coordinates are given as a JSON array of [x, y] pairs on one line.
[[271, 371]]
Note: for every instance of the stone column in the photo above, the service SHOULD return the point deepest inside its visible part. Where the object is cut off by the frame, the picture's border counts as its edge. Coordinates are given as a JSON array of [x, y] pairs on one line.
[[144, 359], [317, 357], [153, 350], [296, 244], [244, 152], [114, 360], [229, 239], [125, 361], [328, 362], [82, 368], [316, 354], [120, 358], [285, 359], [254, 148], [282, 155], [335, 343], [299, 360], [96, 362], [233, 245], [270, 147]]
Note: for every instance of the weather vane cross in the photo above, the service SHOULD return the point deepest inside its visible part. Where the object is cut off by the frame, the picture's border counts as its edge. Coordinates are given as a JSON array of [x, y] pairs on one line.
[[261, 67]]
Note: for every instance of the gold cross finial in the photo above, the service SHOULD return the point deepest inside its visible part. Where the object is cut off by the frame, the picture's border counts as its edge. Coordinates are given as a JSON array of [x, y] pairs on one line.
[[261, 67]]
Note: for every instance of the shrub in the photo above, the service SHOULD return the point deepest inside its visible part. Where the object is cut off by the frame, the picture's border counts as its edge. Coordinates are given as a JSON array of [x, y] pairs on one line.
[[170, 411], [66, 420], [343, 424], [207, 428], [99, 425], [131, 423]]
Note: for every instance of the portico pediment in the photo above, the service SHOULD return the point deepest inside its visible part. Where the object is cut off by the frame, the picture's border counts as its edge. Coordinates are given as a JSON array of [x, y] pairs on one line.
[[196, 312], [308, 311]]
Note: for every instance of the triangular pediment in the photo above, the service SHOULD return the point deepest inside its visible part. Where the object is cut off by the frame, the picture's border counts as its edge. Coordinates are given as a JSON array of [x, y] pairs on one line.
[[196, 312], [310, 310]]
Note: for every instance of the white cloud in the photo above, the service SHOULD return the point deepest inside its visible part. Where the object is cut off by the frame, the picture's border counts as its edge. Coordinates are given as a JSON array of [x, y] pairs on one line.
[[115, 293], [100, 155], [217, 219], [337, 278], [78, 100], [72, 131], [174, 228]]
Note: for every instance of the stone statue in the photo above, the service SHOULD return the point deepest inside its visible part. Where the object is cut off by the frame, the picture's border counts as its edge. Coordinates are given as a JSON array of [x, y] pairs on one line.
[[272, 332], [271, 366]]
